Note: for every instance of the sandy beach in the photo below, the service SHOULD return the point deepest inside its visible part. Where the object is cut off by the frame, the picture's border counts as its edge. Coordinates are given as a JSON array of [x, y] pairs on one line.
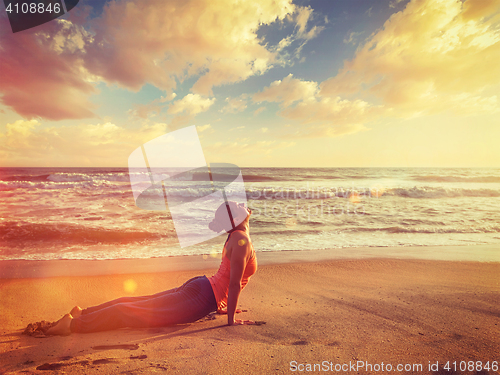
[[328, 315]]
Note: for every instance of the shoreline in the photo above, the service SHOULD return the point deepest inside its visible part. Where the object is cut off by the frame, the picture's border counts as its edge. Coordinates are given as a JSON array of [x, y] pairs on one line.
[[19, 269]]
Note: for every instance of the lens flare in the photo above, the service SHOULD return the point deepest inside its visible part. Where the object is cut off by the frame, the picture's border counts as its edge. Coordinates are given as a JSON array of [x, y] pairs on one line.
[[355, 198], [129, 286], [242, 242], [214, 253], [291, 222], [377, 191]]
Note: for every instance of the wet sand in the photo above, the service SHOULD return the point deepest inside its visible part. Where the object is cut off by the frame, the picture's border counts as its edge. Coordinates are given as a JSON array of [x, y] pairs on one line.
[[336, 314]]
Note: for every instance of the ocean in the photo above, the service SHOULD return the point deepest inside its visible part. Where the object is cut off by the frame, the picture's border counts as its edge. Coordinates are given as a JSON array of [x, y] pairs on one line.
[[90, 213]]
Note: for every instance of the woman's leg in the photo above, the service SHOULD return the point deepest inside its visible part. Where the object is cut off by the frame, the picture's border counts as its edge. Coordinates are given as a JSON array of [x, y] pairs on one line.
[[188, 303], [127, 299]]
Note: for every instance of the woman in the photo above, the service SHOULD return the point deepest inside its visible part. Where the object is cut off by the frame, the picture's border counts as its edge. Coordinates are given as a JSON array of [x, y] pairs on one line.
[[193, 300]]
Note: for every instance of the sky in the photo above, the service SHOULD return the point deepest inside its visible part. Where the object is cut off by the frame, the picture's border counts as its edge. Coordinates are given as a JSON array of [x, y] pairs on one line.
[[330, 83]]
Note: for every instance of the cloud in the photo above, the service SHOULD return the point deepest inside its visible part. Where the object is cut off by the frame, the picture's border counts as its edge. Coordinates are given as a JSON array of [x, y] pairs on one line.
[[100, 134], [351, 39], [394, 3], [42, 73], [479, 9], [431, 57], [324, 115], [330, 117], [160, 41], [101, 144], [146, 110], [202, 128], [68, 38], [264, 130], [191, 104], [187, 108], [303, 16], [288, 91], [258, 110], [237, 128], [50, 71], [223, 150], [235, 105], [18, 134], [289, 49]]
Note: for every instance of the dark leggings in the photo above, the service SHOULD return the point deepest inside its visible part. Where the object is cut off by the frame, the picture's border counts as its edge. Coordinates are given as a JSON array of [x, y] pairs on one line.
[[185, 304]]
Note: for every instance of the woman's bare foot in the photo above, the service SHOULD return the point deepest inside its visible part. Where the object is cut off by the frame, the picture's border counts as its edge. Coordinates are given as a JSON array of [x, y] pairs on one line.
[[62, 328], [76, 312]]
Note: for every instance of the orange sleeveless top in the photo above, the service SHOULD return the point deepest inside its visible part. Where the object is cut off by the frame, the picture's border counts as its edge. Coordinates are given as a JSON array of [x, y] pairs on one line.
[[220, 281]]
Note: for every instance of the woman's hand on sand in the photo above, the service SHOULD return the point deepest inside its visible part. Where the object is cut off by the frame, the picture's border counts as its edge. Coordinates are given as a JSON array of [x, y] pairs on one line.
[[224, 311], [240, 322]]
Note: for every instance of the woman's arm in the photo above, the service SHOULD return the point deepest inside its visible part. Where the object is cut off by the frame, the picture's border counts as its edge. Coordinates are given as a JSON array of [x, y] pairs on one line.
[[239, 251]]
